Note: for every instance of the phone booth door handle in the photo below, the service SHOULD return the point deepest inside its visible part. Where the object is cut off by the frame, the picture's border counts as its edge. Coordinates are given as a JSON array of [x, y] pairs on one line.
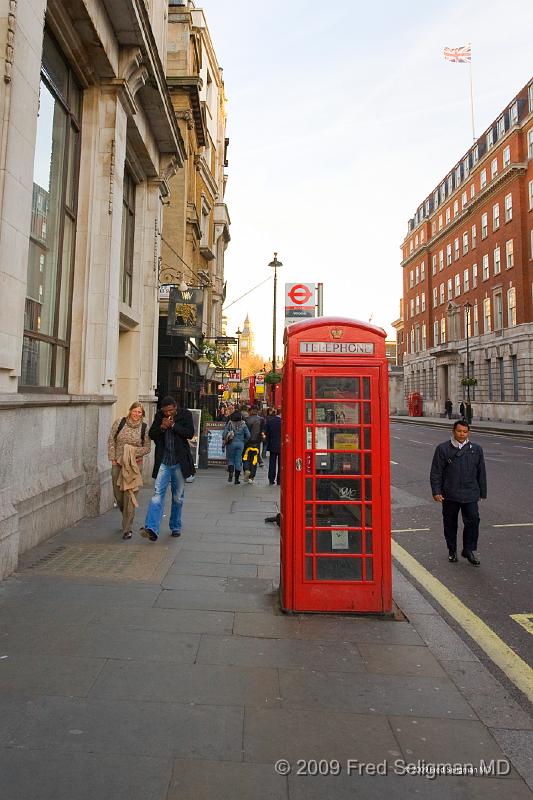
[[298, 465]]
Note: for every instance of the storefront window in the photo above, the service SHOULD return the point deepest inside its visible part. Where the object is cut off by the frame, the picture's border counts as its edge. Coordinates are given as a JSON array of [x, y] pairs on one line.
[[53, 225]]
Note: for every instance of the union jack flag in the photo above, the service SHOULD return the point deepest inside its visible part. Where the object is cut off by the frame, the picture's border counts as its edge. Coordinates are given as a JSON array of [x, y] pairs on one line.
[[461, 55]]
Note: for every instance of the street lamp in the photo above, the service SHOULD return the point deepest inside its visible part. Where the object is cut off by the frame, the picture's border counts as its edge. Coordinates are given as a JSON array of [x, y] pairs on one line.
[[468, 308], [238, 334], [275, 264]]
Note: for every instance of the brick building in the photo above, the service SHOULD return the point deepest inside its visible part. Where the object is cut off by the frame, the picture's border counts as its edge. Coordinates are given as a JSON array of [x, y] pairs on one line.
[[467, 276]]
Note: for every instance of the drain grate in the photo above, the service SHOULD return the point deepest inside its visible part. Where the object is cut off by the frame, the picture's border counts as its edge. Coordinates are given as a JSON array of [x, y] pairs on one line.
[[104, 561]]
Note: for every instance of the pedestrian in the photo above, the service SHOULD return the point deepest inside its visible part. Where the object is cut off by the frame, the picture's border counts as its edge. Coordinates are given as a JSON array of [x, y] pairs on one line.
[[221, 413], [252, 453], [273, 434], [469, 413], [462, 410], [127, 431], [234, 436], [170, 430], [448, 408], [458, 481]]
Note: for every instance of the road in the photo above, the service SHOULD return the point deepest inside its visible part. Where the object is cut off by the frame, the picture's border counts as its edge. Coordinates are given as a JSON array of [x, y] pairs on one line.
[[501, 587]]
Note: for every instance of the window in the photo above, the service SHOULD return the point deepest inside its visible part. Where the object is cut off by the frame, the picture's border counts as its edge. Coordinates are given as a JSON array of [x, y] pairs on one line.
[[417, 305], [474, 276], [476, 320], [417, 332], [506, 156], [434, 257], [450, 289], [514, 366], [411, 246], [475, 154], [497, 262], [513, 114], [530, 97], [441, 294], [485, 267], [441, 260], [530, 143], [483, 179], [434, 297], [411, 279], [416, 239], [45, 347], [422, 271], [489, 378], [128, 232], [501, 373], [464, 199], [424, 336], [493, 168], [450, 184], [490, 139], [423, 301], [433, 228], [442, 192], [467, 322], [457, 285], [443, 330], [466, 166], [412, 307], [412, 340], [474, 236], [509, 256], [465, 242], [495, 216], [472, 191], [511, 307], [448, 214], [422, 236], [440, 222], [435, 333], [427, 208], [466, 281], [417, 274], [530, 195], [486, 315], [436, 199], [484, 225], [455, 207], [457, 176], [448, 255], [456, 248], [508, 207], [500, 127], [498, 311]]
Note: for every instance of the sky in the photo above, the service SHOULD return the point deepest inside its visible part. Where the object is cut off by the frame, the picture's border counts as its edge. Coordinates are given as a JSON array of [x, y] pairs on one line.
[[342, 118]]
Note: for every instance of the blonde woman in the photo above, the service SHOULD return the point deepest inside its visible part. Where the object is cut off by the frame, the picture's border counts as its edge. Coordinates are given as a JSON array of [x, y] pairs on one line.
[[127, 430]]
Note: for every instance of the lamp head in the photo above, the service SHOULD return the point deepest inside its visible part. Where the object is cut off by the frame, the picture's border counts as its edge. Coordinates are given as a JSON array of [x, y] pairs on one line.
[[275, 263]]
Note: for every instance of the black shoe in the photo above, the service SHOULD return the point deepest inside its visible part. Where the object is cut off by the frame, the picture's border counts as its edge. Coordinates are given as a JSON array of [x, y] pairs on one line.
[[271, 483], [237, 473], [452, 556], [149, 534], [469, 555], [175, 534]]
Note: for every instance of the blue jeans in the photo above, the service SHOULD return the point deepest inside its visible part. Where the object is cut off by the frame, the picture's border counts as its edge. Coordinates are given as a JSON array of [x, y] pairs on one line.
[[154, 515]]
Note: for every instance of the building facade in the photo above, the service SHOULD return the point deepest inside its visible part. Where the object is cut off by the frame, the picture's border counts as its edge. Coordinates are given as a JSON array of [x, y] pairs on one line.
[[89, 144], [467, 277], [196, 220]]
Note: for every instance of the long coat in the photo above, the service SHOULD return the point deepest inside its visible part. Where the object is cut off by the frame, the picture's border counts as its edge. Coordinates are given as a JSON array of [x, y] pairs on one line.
[[183, 429], [459, 475], [273, 433]]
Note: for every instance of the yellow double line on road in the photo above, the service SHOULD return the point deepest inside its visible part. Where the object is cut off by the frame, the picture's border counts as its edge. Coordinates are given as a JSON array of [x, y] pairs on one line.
[[501, 654]]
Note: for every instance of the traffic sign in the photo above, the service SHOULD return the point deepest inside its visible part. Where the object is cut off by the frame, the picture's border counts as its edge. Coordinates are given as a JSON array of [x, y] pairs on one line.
[[299, 302]]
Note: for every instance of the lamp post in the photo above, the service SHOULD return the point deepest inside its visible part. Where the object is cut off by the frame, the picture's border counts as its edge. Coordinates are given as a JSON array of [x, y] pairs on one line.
[[275, 264], [238, 334], [468, 308]]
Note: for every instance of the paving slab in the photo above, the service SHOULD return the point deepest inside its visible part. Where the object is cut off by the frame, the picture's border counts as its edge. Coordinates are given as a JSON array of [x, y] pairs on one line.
[[518, 746], [225, 780], [44, 775], [196, 684], [288, 653], [214, 601], [223, 547], [204, 557], [213, 570], [168, 620], [246, 558], [272, 734], [133, 727], [441, 639], [400, 659], [47, 674], [249, 585], [193, 583], [381, 694]]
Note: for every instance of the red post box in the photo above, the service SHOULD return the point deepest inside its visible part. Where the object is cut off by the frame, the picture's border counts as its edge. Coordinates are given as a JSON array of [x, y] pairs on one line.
[[335, 488]]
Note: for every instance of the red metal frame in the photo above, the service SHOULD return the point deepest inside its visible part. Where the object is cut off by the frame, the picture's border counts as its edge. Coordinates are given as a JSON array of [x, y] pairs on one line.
[[369, 491]]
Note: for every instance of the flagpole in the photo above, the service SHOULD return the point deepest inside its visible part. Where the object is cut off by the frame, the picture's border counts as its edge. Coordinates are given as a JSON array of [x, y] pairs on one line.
[[472, 101]]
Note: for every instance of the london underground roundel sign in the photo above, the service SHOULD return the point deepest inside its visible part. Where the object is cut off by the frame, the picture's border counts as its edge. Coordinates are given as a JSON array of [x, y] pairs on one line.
[[299, 294]]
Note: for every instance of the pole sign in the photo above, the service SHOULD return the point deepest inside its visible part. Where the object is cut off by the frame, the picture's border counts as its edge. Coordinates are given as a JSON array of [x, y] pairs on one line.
[[233, 375], [185, 310], [300, 302]]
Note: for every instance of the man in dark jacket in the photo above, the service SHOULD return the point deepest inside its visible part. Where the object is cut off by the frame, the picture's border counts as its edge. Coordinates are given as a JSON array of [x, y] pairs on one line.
[[170, 430], [273, 439], [458, 481]]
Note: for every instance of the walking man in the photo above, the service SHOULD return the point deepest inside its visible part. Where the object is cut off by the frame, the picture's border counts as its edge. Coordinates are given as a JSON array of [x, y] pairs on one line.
[[170, 430], [448, 407], [273, 434], [458, 481]]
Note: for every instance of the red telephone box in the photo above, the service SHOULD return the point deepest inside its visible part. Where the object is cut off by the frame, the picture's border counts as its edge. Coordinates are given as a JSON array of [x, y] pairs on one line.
[[335, 488]]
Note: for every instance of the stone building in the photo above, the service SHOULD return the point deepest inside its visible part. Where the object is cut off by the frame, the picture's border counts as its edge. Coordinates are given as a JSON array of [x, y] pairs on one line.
[[196, 220], [89, 144], [467, 281]]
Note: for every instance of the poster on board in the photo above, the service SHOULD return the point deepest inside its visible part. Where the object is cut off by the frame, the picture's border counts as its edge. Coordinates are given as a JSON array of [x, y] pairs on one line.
[[195, 441], [216, 454]]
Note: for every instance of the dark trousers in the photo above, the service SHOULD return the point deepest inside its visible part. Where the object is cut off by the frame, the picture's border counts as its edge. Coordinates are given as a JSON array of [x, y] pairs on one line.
[[274, 465], [470, 514]]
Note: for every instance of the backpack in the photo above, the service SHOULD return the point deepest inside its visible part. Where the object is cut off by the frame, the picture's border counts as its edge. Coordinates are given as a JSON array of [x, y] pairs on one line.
[[121, 425], [230, 435]]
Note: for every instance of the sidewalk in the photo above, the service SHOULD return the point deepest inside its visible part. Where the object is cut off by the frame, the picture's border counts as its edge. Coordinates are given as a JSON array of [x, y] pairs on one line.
[[489, 426], [165, 671]]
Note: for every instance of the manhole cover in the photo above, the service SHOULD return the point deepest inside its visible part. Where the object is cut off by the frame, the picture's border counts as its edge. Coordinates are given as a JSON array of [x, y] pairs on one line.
[[105, 561]]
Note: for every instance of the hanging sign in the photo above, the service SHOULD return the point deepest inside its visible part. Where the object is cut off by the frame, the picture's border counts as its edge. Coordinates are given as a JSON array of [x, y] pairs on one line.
[[185, 311]]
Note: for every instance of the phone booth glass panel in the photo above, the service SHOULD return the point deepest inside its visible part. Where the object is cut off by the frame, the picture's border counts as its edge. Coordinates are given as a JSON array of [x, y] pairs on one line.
[[332, 555]]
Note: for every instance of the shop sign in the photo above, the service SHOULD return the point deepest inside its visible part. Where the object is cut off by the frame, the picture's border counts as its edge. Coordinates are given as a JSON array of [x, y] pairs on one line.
[[185, 311]]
